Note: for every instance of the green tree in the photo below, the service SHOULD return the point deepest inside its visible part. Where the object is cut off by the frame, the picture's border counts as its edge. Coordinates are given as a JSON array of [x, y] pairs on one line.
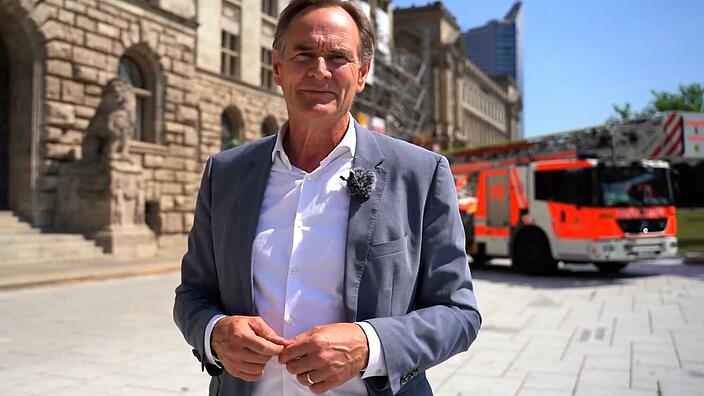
[[690, 97]]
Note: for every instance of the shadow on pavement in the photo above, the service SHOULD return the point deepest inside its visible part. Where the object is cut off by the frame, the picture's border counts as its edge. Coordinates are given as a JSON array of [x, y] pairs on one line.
[[584, 275]]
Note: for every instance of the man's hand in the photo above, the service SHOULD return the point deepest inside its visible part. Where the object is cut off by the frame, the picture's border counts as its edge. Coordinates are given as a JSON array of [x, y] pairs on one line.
[[244, 344], [328, 355]]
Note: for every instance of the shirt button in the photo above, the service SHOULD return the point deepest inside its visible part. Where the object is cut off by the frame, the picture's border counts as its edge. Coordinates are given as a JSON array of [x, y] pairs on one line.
[[378, 371], [289, 320], [294, 270]]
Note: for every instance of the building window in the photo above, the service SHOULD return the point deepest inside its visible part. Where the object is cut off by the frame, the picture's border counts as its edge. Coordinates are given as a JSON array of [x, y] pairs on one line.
[[230, 55], [270, 7], [144, 88], [232, 128], [267, 73], [151, 216]]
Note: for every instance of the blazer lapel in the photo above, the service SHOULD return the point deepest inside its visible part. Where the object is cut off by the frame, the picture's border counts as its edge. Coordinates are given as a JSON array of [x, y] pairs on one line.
[[246, 217], [362, 218]]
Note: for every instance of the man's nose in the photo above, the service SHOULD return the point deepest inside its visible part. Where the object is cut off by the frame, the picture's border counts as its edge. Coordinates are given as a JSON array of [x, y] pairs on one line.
[[320, 69]]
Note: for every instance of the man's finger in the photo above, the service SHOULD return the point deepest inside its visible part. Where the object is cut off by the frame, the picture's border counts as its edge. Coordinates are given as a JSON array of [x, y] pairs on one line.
[[250, 368], [303, 365], [245, 376], [323, 386], [262, 329], [317, 376], [295, 351], [250, 356], [262, 346]]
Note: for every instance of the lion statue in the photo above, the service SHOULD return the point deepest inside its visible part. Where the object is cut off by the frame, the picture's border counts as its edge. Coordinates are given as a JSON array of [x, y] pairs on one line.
[[110, 129]]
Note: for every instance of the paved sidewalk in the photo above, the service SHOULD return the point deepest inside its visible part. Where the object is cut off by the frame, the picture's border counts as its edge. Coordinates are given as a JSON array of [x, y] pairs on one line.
[[583, 333], [577, 333]]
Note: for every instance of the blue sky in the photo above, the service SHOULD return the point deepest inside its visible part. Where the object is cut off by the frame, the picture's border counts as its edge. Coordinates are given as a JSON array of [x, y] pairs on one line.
[[581, 56]]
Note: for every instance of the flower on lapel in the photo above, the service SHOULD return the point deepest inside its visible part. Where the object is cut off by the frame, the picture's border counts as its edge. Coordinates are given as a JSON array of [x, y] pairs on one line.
[[360, 182]]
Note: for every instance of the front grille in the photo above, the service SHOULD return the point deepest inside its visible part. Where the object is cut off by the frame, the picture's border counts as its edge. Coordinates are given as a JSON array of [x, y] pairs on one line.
[[641, 226]]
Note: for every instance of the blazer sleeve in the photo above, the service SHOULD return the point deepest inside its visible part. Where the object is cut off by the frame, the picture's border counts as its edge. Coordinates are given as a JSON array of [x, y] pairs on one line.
[[444, 319], [197, 297]]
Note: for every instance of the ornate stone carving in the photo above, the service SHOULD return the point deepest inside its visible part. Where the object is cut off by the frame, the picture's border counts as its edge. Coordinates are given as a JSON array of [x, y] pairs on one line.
[[103, 194], [109, 132]]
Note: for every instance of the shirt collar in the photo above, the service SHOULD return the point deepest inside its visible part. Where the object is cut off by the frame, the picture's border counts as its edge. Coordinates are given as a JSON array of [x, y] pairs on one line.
[[348, 145]]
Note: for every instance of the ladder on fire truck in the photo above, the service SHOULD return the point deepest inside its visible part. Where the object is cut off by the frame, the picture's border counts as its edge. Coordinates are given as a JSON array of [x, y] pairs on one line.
[[671, 136]]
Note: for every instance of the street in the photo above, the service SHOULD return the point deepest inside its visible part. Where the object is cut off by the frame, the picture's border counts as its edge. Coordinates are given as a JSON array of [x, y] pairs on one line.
[[576, 333]]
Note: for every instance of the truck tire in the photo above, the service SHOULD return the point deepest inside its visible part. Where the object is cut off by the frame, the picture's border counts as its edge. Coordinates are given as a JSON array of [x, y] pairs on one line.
[[477, 251], [531, 254], [611, 268]]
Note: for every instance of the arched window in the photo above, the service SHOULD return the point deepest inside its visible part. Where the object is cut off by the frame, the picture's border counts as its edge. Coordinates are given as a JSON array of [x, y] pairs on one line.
[[136, 67], [232, 128], [128, 69], [269, 126]]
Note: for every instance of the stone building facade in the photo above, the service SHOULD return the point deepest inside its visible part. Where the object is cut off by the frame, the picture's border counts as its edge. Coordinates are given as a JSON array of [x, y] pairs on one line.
[[199, 87], [467, 106]]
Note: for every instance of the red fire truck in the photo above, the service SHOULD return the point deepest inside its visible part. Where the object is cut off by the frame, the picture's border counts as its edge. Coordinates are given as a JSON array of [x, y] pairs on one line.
[[599, 195]]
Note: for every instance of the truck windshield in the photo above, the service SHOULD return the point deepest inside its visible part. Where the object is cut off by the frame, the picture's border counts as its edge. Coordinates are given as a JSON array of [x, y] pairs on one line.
[[634, 186]]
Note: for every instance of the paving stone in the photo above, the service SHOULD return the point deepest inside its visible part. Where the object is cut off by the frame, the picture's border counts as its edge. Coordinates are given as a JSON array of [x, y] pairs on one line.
[[605, 390], [543, 392], [550, 381], [535, 363], [469, 385], [604, 377], [649, 359], [47, 384], [618, 362], [487, 363]]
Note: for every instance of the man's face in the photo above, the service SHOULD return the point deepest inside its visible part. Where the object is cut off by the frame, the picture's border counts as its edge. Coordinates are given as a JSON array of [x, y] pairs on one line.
[[319, 70]]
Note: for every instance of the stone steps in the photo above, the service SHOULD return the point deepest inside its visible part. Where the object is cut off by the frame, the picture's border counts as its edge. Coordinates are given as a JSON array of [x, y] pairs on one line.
[[21, 244], [18, 230], [21, 240]]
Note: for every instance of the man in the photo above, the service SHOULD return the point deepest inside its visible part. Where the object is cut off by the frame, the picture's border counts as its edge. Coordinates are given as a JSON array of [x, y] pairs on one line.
[[327, 258]]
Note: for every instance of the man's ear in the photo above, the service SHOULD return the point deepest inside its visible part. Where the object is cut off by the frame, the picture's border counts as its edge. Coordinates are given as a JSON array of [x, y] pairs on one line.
[[276, 64], [363, 73]]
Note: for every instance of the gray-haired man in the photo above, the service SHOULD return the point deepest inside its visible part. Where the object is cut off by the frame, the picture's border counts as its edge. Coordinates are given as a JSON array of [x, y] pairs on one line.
[[327, 258]]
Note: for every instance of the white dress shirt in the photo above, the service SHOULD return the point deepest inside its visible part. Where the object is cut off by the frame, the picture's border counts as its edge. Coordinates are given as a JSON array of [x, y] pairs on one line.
[[298, 258]]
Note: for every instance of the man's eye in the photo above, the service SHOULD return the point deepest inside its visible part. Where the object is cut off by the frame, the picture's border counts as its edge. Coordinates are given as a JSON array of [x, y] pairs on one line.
[[302, 56], [339, 59]]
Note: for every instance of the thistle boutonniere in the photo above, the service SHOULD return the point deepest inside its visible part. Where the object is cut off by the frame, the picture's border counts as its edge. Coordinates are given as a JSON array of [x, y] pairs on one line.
[[360, 182]]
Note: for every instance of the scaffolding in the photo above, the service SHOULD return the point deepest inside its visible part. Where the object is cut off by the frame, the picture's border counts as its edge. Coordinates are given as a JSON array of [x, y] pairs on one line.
[[400, 92]]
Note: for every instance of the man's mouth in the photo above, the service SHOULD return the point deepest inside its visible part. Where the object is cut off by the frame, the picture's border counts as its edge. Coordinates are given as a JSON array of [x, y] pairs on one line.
[[318, 91], [319, 94]]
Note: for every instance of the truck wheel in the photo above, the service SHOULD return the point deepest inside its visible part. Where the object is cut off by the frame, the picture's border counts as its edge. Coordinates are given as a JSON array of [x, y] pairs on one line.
[[611, 268], [531, 254], [478, 253]]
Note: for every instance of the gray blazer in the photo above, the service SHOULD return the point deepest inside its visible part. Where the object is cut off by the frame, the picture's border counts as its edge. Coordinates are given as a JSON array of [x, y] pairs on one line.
[[406, 269]]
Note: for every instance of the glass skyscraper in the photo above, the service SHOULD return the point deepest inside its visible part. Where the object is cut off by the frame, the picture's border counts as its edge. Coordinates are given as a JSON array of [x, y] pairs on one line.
[[497, 47]]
